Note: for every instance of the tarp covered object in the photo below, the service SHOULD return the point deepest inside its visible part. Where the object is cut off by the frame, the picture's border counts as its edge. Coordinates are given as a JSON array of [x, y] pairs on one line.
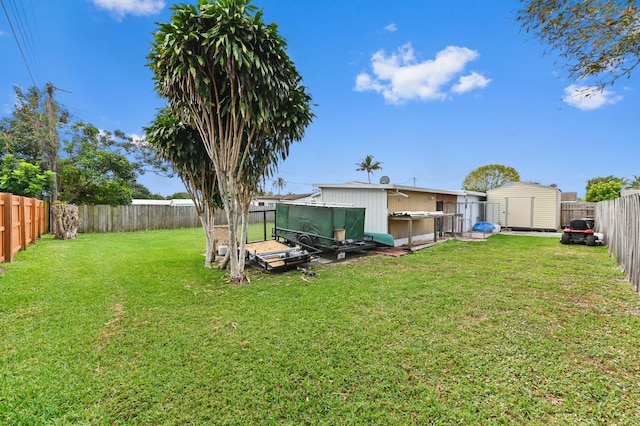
[[483, 227], [320, 221]]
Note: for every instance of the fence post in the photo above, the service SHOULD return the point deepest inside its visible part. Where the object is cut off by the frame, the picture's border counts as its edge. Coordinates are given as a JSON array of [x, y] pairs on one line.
[[23, 222], [8, 227]]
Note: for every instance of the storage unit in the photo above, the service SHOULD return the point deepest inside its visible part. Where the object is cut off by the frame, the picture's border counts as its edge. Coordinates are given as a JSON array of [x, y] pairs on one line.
[[527, 206], [327, 227]]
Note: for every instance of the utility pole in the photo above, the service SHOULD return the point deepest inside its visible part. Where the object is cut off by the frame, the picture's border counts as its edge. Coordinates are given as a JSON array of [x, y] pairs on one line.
[[52, 144]]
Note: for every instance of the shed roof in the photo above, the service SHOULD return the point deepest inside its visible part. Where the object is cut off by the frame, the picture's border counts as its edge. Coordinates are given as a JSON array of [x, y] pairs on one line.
[[393, 187], [534, 184]]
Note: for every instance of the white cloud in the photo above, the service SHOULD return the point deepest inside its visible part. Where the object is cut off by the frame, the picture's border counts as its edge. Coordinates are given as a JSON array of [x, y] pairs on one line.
[[391, 27], [138, 140], [133, 7], [400, 77], [587, 98], [467, 83]]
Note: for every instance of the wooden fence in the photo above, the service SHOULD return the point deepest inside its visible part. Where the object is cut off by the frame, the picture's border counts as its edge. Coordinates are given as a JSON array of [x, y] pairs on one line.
[[22, 221], [619, 221], [573, 210], [102, 218]]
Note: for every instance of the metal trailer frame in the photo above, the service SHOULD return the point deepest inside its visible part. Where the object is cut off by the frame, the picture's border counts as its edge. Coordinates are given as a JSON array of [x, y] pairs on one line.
[[274, 259], [310, 240]]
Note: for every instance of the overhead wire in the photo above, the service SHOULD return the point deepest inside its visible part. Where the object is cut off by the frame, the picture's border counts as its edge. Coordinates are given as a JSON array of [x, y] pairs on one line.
[[27, 35], [15, 30]]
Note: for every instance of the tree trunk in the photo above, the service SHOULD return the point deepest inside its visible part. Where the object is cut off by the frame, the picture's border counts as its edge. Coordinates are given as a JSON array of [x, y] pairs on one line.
[[66, 221], [207, 218], [225, 261], [232, 207]]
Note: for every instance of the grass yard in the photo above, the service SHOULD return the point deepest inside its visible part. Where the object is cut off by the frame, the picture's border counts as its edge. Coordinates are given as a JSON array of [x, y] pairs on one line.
[[130, 328]]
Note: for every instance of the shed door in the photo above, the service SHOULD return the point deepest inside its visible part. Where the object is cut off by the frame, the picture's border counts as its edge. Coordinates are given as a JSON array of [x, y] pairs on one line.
[[519, 213]]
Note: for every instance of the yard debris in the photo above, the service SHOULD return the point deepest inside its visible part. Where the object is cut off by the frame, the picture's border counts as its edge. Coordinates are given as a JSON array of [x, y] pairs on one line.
[[307, 273]]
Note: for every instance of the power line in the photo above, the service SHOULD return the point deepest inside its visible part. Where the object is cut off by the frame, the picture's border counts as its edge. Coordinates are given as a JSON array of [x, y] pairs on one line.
[[15, 36]]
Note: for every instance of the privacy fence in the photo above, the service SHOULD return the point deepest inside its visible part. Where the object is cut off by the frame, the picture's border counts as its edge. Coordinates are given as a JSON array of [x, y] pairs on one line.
[[101, 218], [619, 221], [574, 210], [22, 221]]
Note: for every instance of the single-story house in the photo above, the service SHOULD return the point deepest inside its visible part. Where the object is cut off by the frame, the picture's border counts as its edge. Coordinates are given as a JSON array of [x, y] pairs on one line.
[[528, 206], [402, 211]]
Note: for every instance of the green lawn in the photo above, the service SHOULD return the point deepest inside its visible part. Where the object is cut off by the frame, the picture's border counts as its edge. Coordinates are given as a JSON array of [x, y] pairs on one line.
[[130, 328]]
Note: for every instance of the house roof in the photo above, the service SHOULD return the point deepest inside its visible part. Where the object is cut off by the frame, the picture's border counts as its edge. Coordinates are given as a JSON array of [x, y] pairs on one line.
[[393, 187], [287, 197], [525, 184]]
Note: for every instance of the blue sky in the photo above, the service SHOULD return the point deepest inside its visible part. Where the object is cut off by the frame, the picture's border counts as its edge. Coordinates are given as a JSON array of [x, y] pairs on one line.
[[431, 89]]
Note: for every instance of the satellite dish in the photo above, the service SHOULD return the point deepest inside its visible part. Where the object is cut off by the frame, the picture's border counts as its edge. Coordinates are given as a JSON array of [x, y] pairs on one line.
[[385, 180]]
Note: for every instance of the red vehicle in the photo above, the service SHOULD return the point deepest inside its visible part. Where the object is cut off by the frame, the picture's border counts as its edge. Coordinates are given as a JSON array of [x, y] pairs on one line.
[[580, 231]]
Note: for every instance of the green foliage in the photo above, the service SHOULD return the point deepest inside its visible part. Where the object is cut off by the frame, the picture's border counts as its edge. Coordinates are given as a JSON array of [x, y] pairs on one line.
[[368, 165], [141, 192], [93, 171], [127, 329], [30, 133], [489, 177], [179, 196], [181, 146], [227, 74], [635, 183], [601, 191], [596, 38], [604, 179], [21, 178]]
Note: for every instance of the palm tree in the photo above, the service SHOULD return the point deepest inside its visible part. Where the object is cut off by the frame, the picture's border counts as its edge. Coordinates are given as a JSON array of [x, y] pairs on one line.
[[279, 184], [368, 165], [635, 183], [227, 74]]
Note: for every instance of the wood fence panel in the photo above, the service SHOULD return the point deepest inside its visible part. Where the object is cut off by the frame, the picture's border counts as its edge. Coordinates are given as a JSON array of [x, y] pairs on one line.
[[98, 218], [22, 221], [17, 216], [573, 210], [3, 228], [619, 221]]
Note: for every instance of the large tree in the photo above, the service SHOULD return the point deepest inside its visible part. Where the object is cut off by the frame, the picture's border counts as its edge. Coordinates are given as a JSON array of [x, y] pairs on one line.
[[227, 73], [595, 38], [93, 170], [368, 165], [601, 191], [21, 178], [31, 132], [624, 182], [490, 176], [182, 146]]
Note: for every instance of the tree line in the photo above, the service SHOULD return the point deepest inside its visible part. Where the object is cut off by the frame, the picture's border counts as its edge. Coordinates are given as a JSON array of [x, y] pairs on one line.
[[48, 153]]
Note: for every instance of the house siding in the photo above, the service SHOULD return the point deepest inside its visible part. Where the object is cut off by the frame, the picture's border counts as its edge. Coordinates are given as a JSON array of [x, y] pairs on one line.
[[415, 202], [374, 200]]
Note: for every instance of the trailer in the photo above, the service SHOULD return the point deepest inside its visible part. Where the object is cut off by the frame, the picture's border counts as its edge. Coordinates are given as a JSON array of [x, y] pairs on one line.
[[328, 228], [275, 256]]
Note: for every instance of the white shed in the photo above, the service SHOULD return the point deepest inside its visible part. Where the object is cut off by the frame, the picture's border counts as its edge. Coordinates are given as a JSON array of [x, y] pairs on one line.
[[525, 205]]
